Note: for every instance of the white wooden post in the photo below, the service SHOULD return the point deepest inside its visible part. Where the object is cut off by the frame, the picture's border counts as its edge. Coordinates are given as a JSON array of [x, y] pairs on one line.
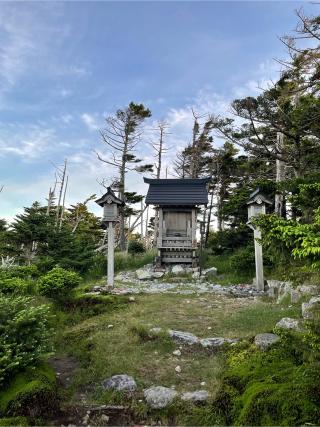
[[110, 254], [259, 260]]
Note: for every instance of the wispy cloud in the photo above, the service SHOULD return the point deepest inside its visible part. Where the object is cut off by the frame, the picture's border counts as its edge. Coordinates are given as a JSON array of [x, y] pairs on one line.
[[90, 121]]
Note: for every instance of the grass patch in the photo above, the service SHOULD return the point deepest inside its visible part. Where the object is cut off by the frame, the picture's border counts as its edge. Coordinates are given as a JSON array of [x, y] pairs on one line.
[[226, 275], [128, 346]]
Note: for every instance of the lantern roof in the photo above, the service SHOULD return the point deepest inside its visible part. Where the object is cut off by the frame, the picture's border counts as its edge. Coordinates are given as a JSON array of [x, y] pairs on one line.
[[109, 198], [173, 192], [258, 197]]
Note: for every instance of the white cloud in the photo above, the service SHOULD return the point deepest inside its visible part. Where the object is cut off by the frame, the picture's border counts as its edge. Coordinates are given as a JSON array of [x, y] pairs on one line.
[[90, 121]]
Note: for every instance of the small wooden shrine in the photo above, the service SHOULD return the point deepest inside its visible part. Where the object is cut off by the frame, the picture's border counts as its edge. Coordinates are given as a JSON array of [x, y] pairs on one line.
[[176, 202]]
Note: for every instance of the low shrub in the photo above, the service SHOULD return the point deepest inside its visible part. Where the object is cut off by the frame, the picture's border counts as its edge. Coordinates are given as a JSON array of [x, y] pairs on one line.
[[14, 285], [136, 247], [24, 334], [243, 260], [58, 283], [22, 271], [226, 241]]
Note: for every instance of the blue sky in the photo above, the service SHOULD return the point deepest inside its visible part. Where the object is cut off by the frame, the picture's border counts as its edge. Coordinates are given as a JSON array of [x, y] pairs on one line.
[[65, 66]]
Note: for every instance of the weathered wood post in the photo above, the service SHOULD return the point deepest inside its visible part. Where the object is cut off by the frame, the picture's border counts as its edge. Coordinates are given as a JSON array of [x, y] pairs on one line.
[[257, 205], [110, 203]]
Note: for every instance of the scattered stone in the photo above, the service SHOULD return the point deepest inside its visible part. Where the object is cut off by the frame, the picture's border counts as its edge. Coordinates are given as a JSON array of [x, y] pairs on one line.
[[308, 289], [196, 275], [178, 369], [288, 323], [158, 397], [307, 308], [216, 342], [210, 272], [209, 327], [295, 296], [110, 326], [196, 396], [120, 382], [104, 418], [263, 341], [184, 337], [178, 269], [177, 353], [132, 299], [156, 330], [203, 383], [143, 274]]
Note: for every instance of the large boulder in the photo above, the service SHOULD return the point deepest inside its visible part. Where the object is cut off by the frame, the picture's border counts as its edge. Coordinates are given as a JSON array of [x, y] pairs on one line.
[[263, 341], [183, 337], [289, 323], [195, 396], [216, 342], [120, 382], [158, 397]]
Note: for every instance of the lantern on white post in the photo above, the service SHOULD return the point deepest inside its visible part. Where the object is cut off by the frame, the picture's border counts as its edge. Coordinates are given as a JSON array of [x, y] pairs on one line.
[[111, 204], [257, 205]]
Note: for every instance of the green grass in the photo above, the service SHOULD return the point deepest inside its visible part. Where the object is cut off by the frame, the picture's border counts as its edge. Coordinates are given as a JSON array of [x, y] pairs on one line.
[[225, 274], [127, 347]]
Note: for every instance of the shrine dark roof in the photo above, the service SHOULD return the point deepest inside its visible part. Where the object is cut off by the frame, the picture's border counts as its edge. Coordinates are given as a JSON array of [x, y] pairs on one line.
[[164, 192]]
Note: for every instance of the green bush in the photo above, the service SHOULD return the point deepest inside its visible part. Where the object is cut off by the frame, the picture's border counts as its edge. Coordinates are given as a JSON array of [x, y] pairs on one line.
[[136, 247], [24, 334], [226, 241], [14, 285], [21, 271], [243, 260], [58, 283]]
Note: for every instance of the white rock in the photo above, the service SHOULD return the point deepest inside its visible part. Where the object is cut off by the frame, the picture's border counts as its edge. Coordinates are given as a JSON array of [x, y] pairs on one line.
[[307, 308], [157, 274], [263, 341], [184, 337], [143, 274], [178, 369], [132, 299], [216, 342], [159, 397], [288, 323], [203, 383], [110, 326], [308, 289], [295, 296], [178, 269], [196, 275], [156, 330], [121, 382], [177, 353], [210, 272], [196, 396]]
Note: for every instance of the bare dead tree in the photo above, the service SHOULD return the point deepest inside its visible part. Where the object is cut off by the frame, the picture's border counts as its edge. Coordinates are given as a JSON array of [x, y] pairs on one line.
[[121, 135]]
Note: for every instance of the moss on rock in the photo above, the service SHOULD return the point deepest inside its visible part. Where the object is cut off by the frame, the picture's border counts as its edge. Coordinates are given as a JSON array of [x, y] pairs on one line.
[[31, 393]]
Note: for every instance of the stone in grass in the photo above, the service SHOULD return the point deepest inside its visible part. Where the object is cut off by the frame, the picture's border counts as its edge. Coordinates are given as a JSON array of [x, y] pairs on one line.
[[178, 269], [158, 397], [289, 323], [216, 342], [184, 337], [210, 272], [195, 396], [143, 274], [307, 308], [121, 382], [263, 341]]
